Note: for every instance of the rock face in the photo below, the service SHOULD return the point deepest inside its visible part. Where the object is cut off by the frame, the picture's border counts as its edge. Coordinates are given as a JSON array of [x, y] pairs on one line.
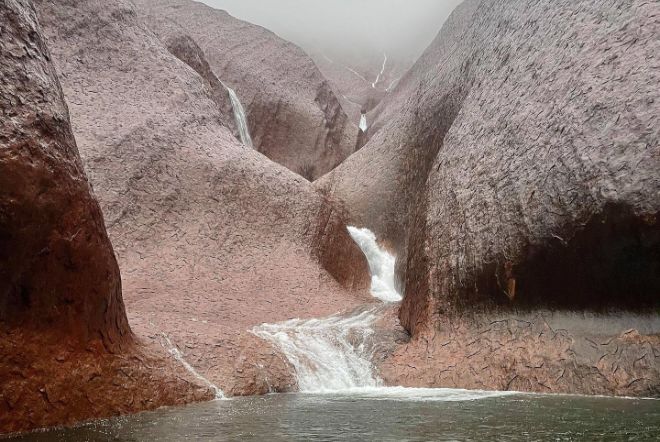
[[517, 167], [360, 83], [212, 238], [58, 267], [295, 119], [64, 337]]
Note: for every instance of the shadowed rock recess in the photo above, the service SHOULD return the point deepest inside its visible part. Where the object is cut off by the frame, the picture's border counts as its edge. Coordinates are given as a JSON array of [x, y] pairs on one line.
[[516, 170], [66, 350]]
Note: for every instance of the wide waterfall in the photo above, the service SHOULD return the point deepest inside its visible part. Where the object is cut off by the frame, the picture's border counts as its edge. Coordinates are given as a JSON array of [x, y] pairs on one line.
[[329, 354], [240, 117], [334, 353]]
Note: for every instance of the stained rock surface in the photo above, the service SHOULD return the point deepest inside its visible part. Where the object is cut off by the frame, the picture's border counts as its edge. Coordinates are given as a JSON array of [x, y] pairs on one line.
[[212, 238], [67, 352], [294, 116], [517, 167]]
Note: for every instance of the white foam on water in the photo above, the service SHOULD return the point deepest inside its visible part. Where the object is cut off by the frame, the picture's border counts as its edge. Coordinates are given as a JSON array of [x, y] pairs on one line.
[[418, 394], [381, 265]]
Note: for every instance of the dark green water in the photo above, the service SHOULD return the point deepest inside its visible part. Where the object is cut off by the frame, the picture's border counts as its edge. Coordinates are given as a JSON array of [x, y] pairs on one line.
[[392, 417]]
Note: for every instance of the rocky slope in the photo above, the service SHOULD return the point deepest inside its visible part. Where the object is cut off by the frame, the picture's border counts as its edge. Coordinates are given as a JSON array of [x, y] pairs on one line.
[[360, 83], [294, 116], [212, 238], [67, 350], [518, 169]]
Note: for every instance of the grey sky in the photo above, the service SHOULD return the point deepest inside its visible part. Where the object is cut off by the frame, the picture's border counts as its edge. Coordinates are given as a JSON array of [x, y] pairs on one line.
[[401, 28]]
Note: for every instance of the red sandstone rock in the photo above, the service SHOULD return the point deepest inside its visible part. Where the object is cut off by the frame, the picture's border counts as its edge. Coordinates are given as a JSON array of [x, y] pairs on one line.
[[66, 350], [212, 238], [517, 166], [294, 116]]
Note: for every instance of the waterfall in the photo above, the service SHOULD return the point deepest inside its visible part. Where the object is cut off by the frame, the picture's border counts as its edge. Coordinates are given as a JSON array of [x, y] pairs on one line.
[[363, 123], [334, 353], [381, 265], [171, 348], [240, 117], [328, 354], [382, 70]]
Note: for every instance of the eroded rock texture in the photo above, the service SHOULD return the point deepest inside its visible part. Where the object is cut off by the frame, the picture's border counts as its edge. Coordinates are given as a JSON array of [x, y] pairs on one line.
[[294, 116], [518, 167], [66, 350], [212, 238]]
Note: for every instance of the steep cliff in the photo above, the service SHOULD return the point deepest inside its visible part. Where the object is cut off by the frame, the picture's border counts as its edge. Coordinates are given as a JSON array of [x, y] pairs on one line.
[[64, 338], [212, 238], [294, 116], [518, 169]]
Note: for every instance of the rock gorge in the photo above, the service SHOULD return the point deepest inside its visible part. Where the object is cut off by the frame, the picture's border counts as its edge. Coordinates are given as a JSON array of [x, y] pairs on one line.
[[515, 174], [514, 171]]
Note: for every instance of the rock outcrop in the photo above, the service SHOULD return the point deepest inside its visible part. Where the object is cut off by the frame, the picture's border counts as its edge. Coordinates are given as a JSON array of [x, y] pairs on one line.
[[67, 352], [295, 119], [518, 168], [212, 238]]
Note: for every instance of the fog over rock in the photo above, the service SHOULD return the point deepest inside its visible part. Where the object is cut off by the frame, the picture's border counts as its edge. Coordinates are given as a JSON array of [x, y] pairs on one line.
[[401, 28]]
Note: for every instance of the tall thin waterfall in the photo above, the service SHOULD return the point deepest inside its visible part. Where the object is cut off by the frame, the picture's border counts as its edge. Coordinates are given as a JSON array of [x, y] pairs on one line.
[[171, 348], [240, 117], [382, 70], [363, 123], [334, 353]]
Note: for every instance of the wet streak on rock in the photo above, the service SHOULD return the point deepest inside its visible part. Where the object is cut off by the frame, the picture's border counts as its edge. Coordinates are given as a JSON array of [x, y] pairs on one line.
[[66, 350]]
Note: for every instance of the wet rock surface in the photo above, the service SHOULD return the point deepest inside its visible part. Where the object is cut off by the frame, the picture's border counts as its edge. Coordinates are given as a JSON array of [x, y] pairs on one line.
[[294, 116], [517, 165], [543, 352], [212, 238], [513, 170], [67, 352]]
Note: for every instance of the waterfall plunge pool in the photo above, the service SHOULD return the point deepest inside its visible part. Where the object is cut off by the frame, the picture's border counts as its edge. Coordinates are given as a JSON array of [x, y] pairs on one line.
[[393, 415], [345, 399]]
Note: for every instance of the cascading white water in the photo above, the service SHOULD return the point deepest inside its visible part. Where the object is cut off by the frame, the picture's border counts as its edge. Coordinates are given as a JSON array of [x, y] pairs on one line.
[[334, 353], [240, 117], [328, 354], [381, 265], [363, 123]]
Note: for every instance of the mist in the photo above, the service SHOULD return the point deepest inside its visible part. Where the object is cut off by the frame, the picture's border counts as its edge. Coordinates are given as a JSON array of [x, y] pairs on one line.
[[348, 28]]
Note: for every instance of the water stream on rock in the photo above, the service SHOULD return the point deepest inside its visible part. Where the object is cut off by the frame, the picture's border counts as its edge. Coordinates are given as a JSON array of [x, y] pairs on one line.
[[174, 351], [240, 117], [334, 353], [382, 70], [363, 123]]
